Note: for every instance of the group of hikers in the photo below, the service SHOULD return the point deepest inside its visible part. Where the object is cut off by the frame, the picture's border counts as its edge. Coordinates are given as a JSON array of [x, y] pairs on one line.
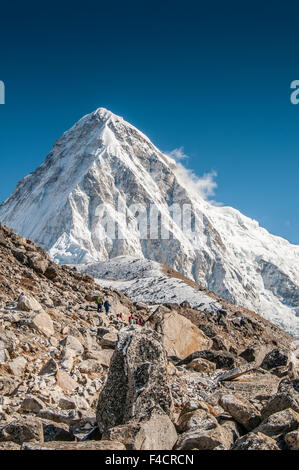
[[101, 303], [135, 321]]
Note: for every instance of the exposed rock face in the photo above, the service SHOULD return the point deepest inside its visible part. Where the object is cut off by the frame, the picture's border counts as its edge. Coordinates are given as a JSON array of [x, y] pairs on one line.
[[205, 439], [73, 344], [249, 354], [89, 366], [280, 423], [9, 446], [4, 356], [199, 429], [103, 357], [17, 366], [109, 339], [38, 263], [28, 304], [236, 372], [137, 381], [65, 381], [292, 440], [279, 402], [255, 441], [20, 431], [256, 354], [43, 323], [222, 359], [32, 404], [241, 410], [49, 368], [275, 358], [202, 365], [196, 419], [49, 349], [180, 337], [88, 445], [156, 433]]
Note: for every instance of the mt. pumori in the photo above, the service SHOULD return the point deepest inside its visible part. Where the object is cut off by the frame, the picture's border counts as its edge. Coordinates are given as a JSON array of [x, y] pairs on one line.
[[102, 162]]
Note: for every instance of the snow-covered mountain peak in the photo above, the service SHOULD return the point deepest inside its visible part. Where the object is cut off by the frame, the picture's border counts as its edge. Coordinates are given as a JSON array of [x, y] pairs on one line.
[[103, 172]]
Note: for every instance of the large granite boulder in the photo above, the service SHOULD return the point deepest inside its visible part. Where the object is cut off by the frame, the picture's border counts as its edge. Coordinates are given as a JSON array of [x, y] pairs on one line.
[[217, 438], [292, 440], [280, 423], [180, 336], [255, 441], [275, 358], [241, 410], [222, 359], [137, 382], [155, 433], [22, 430], [27, 303]]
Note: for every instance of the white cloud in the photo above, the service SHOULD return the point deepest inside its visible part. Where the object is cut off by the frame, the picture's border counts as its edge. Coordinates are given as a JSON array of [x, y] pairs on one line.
[[177, 154], [203, 186]]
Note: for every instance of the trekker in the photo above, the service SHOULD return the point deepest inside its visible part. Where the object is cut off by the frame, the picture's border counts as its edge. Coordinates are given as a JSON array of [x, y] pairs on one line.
[[99, 302], [107, 307], [21, 296], [131, 320], [221, 315]]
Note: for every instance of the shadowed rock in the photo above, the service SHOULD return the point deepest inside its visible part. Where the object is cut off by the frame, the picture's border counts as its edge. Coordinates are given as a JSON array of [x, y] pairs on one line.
[[222, 359]]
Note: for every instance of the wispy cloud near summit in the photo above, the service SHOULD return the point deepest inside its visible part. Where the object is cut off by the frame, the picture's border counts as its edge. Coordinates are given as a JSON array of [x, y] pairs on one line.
[[203, 186], [177, 154]]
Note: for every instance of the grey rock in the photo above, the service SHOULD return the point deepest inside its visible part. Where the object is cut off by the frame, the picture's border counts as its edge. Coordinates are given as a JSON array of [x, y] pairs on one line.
[[22, 430], [255, 441], [292, 440], [137, 381], [222, 359], [275, 358], [279, 423]]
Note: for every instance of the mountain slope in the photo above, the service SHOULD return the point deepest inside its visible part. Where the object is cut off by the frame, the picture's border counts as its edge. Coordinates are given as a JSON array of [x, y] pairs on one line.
[[58, 354], [151, 283], [102, 164]]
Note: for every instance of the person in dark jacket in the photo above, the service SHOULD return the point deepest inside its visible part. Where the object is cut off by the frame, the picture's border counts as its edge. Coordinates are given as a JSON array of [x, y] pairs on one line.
[[107, 307]]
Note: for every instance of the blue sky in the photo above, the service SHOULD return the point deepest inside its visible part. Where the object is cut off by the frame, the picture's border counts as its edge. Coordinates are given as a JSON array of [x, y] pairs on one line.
[[211, 77]]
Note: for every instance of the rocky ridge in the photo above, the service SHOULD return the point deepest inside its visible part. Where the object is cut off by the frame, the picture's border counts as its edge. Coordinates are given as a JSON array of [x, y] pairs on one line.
[[230, 381]]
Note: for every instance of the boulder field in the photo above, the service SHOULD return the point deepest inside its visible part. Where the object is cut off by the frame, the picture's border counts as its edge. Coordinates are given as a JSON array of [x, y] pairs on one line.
[[73, 378]]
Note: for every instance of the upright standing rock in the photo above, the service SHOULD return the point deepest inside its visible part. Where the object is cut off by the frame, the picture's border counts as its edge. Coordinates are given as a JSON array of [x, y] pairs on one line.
[[137, 383]]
